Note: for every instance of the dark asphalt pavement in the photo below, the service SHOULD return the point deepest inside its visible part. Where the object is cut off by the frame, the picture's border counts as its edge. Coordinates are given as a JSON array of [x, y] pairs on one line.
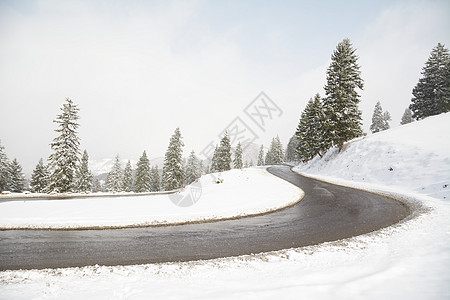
[[326, 213]]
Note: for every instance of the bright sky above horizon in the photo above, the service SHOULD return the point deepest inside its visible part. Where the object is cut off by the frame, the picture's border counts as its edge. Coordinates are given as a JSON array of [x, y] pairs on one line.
[[139, 69]]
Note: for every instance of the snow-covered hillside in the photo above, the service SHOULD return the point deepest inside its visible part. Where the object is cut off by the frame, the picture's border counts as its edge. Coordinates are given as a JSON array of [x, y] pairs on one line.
[[413, 157], [258, 192], [409, 260]]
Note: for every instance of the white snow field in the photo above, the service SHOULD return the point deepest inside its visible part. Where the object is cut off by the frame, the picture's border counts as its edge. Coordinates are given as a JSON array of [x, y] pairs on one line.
[[259, 192], [410, 260]]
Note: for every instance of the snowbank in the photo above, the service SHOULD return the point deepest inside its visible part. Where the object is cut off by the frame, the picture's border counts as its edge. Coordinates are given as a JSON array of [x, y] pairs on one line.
[[242, 193], [413, 157]]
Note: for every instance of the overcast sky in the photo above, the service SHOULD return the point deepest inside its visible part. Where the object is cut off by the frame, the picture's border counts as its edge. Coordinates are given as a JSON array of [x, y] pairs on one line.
[[139, 69]]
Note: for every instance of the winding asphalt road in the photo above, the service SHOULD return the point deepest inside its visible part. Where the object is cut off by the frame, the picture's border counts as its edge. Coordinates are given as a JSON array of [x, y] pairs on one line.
[[326, 213]]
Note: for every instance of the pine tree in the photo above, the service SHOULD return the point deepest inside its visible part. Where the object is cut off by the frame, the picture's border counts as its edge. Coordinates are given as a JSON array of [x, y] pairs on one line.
[[291, 149], [97, 186], [311, 131], [224, 154], [40, 178], [17, 179], [214, 161], [4, 170], [238, 157], [342, 99], [84, 177], [261, 156], [431, 95], [387, 118], [380, 119], [276, 153], [114, 178], [173, 173], [128, 178], [193, 171], [268, 160], [377, 119], [155, 185], [64, 161], [407, 117], [143, 175]]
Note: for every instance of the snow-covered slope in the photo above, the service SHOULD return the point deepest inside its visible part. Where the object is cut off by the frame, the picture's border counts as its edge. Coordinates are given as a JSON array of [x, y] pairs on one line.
[[258, 192], [413, 157]]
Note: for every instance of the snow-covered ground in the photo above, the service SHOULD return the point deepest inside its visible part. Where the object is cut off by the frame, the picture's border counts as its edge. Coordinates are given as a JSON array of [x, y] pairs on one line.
[[258, 191], [410, 260]]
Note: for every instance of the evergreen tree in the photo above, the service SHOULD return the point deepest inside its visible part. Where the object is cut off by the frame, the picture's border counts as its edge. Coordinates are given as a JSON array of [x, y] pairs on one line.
[[238, 157], [407, 117], [4, 170], [387, 118], [431, 95], [114, 178], [276, 152], [84, 177], [143, 175], [17, 179], [97, 186], [291, 149], [377, 119], [40, 178], [311, 131], [268, 160], [342, 99], [155, 185], [380, 119], [224, 154], [128, 178], [261, 156], [64, 161], [193, 171], [214, 161], [173, 173]]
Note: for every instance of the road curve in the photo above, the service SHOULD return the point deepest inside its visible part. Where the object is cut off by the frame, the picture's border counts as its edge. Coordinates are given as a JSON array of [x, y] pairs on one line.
[[326, 213]]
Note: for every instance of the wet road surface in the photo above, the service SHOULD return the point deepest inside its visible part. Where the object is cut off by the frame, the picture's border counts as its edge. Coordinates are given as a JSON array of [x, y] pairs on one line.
[[326, 213]]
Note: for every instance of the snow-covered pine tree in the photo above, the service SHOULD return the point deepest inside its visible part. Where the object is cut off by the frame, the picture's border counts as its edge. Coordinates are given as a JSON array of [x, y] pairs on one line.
[[342, 98], [407, 117], [17, 179], [431, 95], [63, 162], [291, 149], [173, 173], [277, 152], [261, 156], [97, 186], [143, 175], [224, 154], [4, 170], [268, 159], [311, 131], [84, 177], [387, 118], [380, 119], [128, 178], [114, 178], [39, 178], [214, 161], [238, 157], [377, 119], [155, 183], [193, 171]]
